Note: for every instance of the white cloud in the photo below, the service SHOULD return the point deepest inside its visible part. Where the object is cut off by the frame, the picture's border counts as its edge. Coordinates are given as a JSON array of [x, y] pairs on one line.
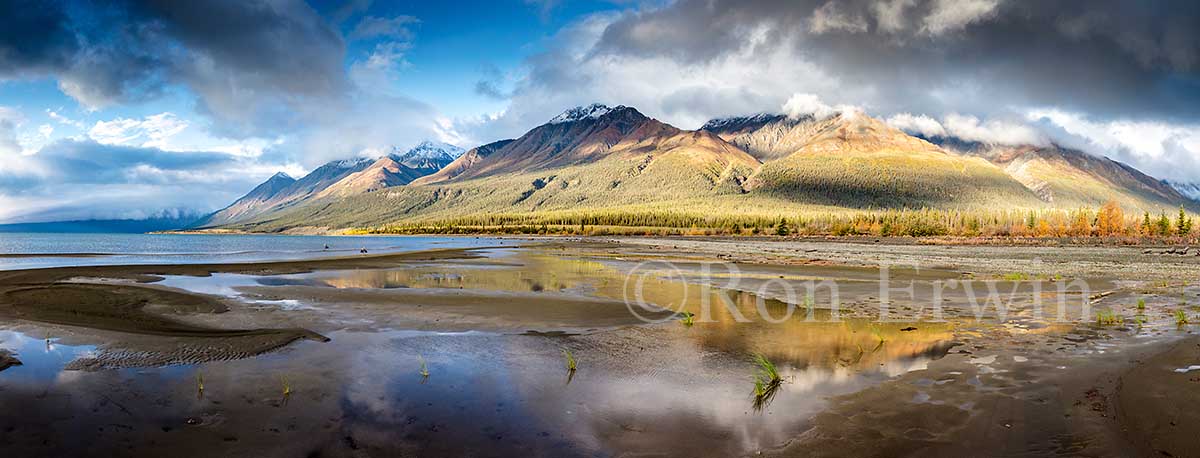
[[917, 125], [828, 18], [84, 179], [800, 104], [807, 104], [1161, 149], [761, 74], [151, 131], [388, 56], [952, 15], [993, 132], [10, 119], [889, 15], [63, 119]]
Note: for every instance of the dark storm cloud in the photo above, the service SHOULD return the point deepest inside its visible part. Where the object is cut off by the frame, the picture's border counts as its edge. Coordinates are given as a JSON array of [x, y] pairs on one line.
[[252, 64], [35, 37], [1109, 58]]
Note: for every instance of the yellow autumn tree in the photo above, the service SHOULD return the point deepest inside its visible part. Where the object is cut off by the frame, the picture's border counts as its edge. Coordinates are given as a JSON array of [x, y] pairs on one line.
[[1110, 220], [1081, 224]]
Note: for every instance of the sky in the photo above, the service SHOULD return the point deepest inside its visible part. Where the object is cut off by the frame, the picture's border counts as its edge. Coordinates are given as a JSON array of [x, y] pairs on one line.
[[129, 109]]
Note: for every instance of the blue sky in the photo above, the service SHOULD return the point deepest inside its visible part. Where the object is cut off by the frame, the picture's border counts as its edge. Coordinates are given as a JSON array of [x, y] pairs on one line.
[[143, 88]]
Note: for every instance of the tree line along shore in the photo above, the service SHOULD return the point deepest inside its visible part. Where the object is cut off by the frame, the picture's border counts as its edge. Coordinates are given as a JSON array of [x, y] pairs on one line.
[[1109, 221]]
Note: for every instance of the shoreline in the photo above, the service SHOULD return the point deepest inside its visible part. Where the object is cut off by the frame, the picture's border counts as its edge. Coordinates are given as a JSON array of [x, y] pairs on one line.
[[946, 240]]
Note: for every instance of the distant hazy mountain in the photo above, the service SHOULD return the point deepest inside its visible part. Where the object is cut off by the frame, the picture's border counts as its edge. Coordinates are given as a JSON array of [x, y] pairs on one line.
[[104, 226]]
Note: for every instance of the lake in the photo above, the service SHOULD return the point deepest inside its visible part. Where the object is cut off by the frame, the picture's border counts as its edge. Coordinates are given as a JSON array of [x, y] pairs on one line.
[[21, 250]]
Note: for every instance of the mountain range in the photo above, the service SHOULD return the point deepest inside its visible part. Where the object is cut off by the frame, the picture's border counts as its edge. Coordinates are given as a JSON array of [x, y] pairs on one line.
[[336, 179], [615, 160]]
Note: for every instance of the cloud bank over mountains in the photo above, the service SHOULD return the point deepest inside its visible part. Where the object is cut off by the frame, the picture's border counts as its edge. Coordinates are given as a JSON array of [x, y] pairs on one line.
[[982, 69], [274, 84]]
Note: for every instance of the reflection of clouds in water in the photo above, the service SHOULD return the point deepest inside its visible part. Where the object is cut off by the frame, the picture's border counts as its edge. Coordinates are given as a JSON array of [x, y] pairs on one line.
[[67, 378], [225, 284], [218, 284], [898, 367], [42, 362], [11, 341]]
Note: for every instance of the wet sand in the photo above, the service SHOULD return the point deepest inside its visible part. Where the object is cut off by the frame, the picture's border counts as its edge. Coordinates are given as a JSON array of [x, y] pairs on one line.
[[492, 327], [1158, 401]]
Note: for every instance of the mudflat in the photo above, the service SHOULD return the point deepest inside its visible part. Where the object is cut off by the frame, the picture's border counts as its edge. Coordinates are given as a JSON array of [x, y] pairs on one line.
[[463, 352]]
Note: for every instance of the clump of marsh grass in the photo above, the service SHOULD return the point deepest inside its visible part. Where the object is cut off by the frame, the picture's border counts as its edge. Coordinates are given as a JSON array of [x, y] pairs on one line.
[[424, 371], [1141, 305], [1181, 317], [688, 319], [1108, 318], [1015, 276], [199, 385], [570, 360], [287, 386], [878, 333], [766, 381]]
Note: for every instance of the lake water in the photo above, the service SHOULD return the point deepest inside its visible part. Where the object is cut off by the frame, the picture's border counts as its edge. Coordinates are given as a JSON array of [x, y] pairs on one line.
[[108, 249]]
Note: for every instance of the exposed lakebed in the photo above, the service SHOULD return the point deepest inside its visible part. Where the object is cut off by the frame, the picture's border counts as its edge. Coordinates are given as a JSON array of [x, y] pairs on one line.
[[490, 326]]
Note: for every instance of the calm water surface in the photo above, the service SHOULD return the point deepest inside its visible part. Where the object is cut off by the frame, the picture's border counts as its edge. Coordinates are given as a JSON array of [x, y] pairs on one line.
[[108, 249]]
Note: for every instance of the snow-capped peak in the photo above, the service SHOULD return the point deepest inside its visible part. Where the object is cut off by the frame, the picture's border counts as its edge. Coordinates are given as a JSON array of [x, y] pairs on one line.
[[1191, 190], [349, 163], [592, 111], [432, 150], [720, 123]]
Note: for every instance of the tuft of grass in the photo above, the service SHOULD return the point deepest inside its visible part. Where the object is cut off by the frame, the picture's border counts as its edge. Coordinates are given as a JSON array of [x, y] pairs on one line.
[[878, 333], [1016, 276], [1108, 318], [767, 373], [1141, 304], [1181, 317], [424, 369], [688, 319], [760, 388], [766, 381], [200, 383], [287, 386], [570, 360]]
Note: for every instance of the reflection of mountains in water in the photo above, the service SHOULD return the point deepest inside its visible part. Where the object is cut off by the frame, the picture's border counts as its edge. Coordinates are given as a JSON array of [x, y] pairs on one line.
[[797, 341]]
